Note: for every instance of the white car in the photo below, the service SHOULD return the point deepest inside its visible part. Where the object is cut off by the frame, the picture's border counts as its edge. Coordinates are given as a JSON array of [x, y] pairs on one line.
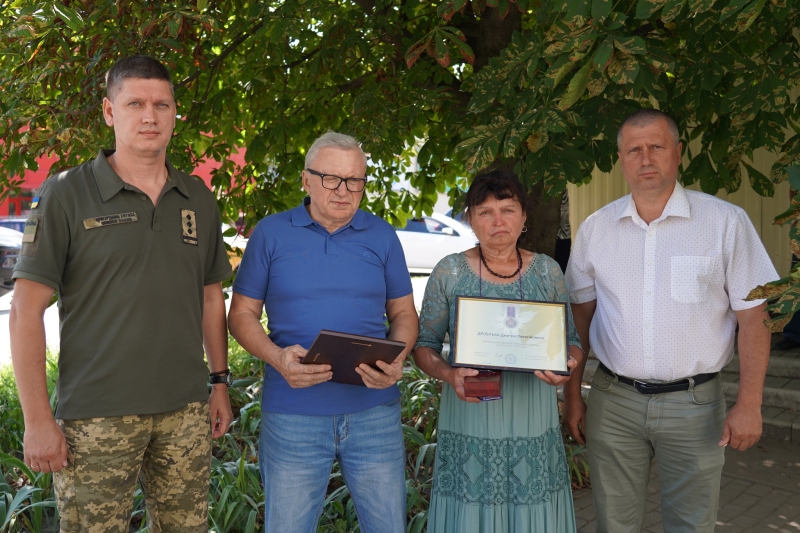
[[428, 239]]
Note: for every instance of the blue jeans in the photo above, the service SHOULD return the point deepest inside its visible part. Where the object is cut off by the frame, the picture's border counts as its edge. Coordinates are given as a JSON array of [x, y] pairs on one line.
[[296, 453]]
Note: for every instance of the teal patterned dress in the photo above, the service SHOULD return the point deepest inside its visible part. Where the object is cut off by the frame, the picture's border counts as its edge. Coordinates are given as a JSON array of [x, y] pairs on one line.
[[500, 465]]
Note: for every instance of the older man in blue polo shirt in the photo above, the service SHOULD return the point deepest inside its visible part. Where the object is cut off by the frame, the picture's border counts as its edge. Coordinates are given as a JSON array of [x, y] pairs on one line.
[[327, 265]]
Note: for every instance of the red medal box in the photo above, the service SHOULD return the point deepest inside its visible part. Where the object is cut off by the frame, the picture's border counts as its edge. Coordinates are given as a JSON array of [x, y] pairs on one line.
[[487, 383]]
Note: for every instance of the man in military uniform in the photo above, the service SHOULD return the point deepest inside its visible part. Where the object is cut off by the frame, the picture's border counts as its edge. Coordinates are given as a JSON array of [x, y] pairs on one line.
[[134, 249]]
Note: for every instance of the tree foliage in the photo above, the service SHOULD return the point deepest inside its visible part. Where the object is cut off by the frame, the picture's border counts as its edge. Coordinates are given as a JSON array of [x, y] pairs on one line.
[[539, 87]]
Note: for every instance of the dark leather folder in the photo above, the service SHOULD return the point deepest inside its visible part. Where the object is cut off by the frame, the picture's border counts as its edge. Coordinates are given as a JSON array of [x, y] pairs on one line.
[[344, 352]]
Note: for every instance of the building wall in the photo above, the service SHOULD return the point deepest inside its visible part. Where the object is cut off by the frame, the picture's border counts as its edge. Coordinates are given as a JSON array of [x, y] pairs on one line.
[[607, 187], [33, 179]]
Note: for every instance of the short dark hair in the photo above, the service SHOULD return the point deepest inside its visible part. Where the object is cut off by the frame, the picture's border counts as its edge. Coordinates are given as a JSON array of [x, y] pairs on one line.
[[646, 116], [501, 184], [143, 67]]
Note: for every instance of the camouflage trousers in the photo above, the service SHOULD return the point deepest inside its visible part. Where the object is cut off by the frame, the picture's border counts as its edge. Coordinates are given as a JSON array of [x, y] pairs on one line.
[[169, 453]]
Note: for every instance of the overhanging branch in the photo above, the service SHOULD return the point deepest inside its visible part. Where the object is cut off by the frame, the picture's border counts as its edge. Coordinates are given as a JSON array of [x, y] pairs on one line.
[[221, 57]]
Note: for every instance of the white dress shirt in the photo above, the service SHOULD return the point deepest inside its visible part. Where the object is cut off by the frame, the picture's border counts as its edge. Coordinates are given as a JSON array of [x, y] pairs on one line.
[[666, 292]]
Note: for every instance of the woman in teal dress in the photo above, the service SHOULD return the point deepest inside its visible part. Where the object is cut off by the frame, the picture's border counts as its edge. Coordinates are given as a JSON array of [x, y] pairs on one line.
[[500, 465]]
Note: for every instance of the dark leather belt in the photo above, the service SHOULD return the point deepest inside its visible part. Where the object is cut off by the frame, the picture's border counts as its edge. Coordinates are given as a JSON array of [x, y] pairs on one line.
[[659, 388]]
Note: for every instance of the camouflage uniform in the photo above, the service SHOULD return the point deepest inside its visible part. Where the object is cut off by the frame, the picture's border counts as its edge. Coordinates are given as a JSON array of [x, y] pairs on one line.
[[170, 453], [132, 384]]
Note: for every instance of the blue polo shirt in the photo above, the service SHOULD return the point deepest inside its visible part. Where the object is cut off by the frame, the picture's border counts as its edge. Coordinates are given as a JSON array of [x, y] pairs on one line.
[[310, 280]]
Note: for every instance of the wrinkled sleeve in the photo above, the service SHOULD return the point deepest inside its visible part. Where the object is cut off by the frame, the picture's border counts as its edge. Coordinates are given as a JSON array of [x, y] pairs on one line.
[[580, 272], [252, 280], [559, 293], [434, 318], [748, 264], [45, 259]]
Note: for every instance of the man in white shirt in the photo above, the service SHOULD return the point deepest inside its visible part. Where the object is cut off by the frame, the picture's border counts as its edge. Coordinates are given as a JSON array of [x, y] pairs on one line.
[[661, 275]]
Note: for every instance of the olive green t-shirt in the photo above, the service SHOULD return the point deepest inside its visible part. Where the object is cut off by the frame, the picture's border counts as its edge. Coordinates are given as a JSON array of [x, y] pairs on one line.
[[130, 278]]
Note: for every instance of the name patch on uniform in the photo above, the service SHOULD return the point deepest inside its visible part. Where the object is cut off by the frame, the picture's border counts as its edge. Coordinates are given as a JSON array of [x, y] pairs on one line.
[[189, 226], [29, 235], [109, 220]]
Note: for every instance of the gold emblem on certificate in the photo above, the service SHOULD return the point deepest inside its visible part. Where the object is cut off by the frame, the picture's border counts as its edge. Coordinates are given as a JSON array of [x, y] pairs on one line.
[[511, 335]]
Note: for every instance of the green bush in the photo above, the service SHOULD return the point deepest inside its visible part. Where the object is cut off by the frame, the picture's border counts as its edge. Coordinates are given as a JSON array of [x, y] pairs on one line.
[[236, 496], [27, 502]]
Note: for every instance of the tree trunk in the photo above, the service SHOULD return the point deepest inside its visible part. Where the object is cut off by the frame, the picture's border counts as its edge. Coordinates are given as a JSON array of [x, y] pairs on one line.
[[544, 220], [488, 39]]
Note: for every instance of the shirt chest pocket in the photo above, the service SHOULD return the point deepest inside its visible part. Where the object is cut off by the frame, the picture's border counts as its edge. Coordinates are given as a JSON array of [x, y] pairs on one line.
[[690, 278]]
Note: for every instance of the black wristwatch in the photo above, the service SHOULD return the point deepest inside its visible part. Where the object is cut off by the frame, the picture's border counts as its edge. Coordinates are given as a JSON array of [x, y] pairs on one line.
[[223, 376]]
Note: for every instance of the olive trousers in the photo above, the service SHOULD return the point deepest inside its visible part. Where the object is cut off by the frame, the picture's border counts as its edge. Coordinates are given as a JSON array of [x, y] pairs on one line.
[[626, 429]]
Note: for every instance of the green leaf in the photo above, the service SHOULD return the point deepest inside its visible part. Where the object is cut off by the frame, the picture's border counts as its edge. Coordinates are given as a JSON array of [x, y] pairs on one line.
[[731, 9], [631, 45], [731, 179], [700, 169], [615, 20], [554, 121], [780, 12], [603, 152], [645, 8], [749, 15], [576, 88], [601, 9], [780, 52], [623, 69], [482, 143], [457, 37], [202, 5], [659, 59], [704, 22], [671, 10], [603, 54], [558, 70], [712, 75], [511, 143], [787, 216], [578, 11], [701, 6], [710, 180], [597, 83], [442, 52], [536, 141], [70, 17], [759, 182]]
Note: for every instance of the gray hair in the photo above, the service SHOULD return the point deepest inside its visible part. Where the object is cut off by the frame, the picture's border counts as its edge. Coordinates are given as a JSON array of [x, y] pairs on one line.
[[645, 117], [332, 139], [142, 67]]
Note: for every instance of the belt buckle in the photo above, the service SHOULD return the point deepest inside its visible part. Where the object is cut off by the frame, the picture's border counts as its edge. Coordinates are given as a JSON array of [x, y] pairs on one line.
[[644, 387]]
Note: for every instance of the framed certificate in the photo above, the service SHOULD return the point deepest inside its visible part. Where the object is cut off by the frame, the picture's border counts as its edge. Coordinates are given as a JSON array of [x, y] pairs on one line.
[[511, 335]]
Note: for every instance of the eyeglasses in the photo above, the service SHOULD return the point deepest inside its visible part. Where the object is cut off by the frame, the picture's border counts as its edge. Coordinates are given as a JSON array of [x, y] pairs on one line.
[[331, 182]]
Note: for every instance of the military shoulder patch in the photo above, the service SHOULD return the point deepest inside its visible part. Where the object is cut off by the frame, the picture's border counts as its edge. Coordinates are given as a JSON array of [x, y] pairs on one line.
[[189, 226], [31, 226], [35, 202], [32, 235]]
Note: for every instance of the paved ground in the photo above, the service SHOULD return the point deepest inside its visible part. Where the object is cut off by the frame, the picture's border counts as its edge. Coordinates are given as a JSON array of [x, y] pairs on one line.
[[760, 493]]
